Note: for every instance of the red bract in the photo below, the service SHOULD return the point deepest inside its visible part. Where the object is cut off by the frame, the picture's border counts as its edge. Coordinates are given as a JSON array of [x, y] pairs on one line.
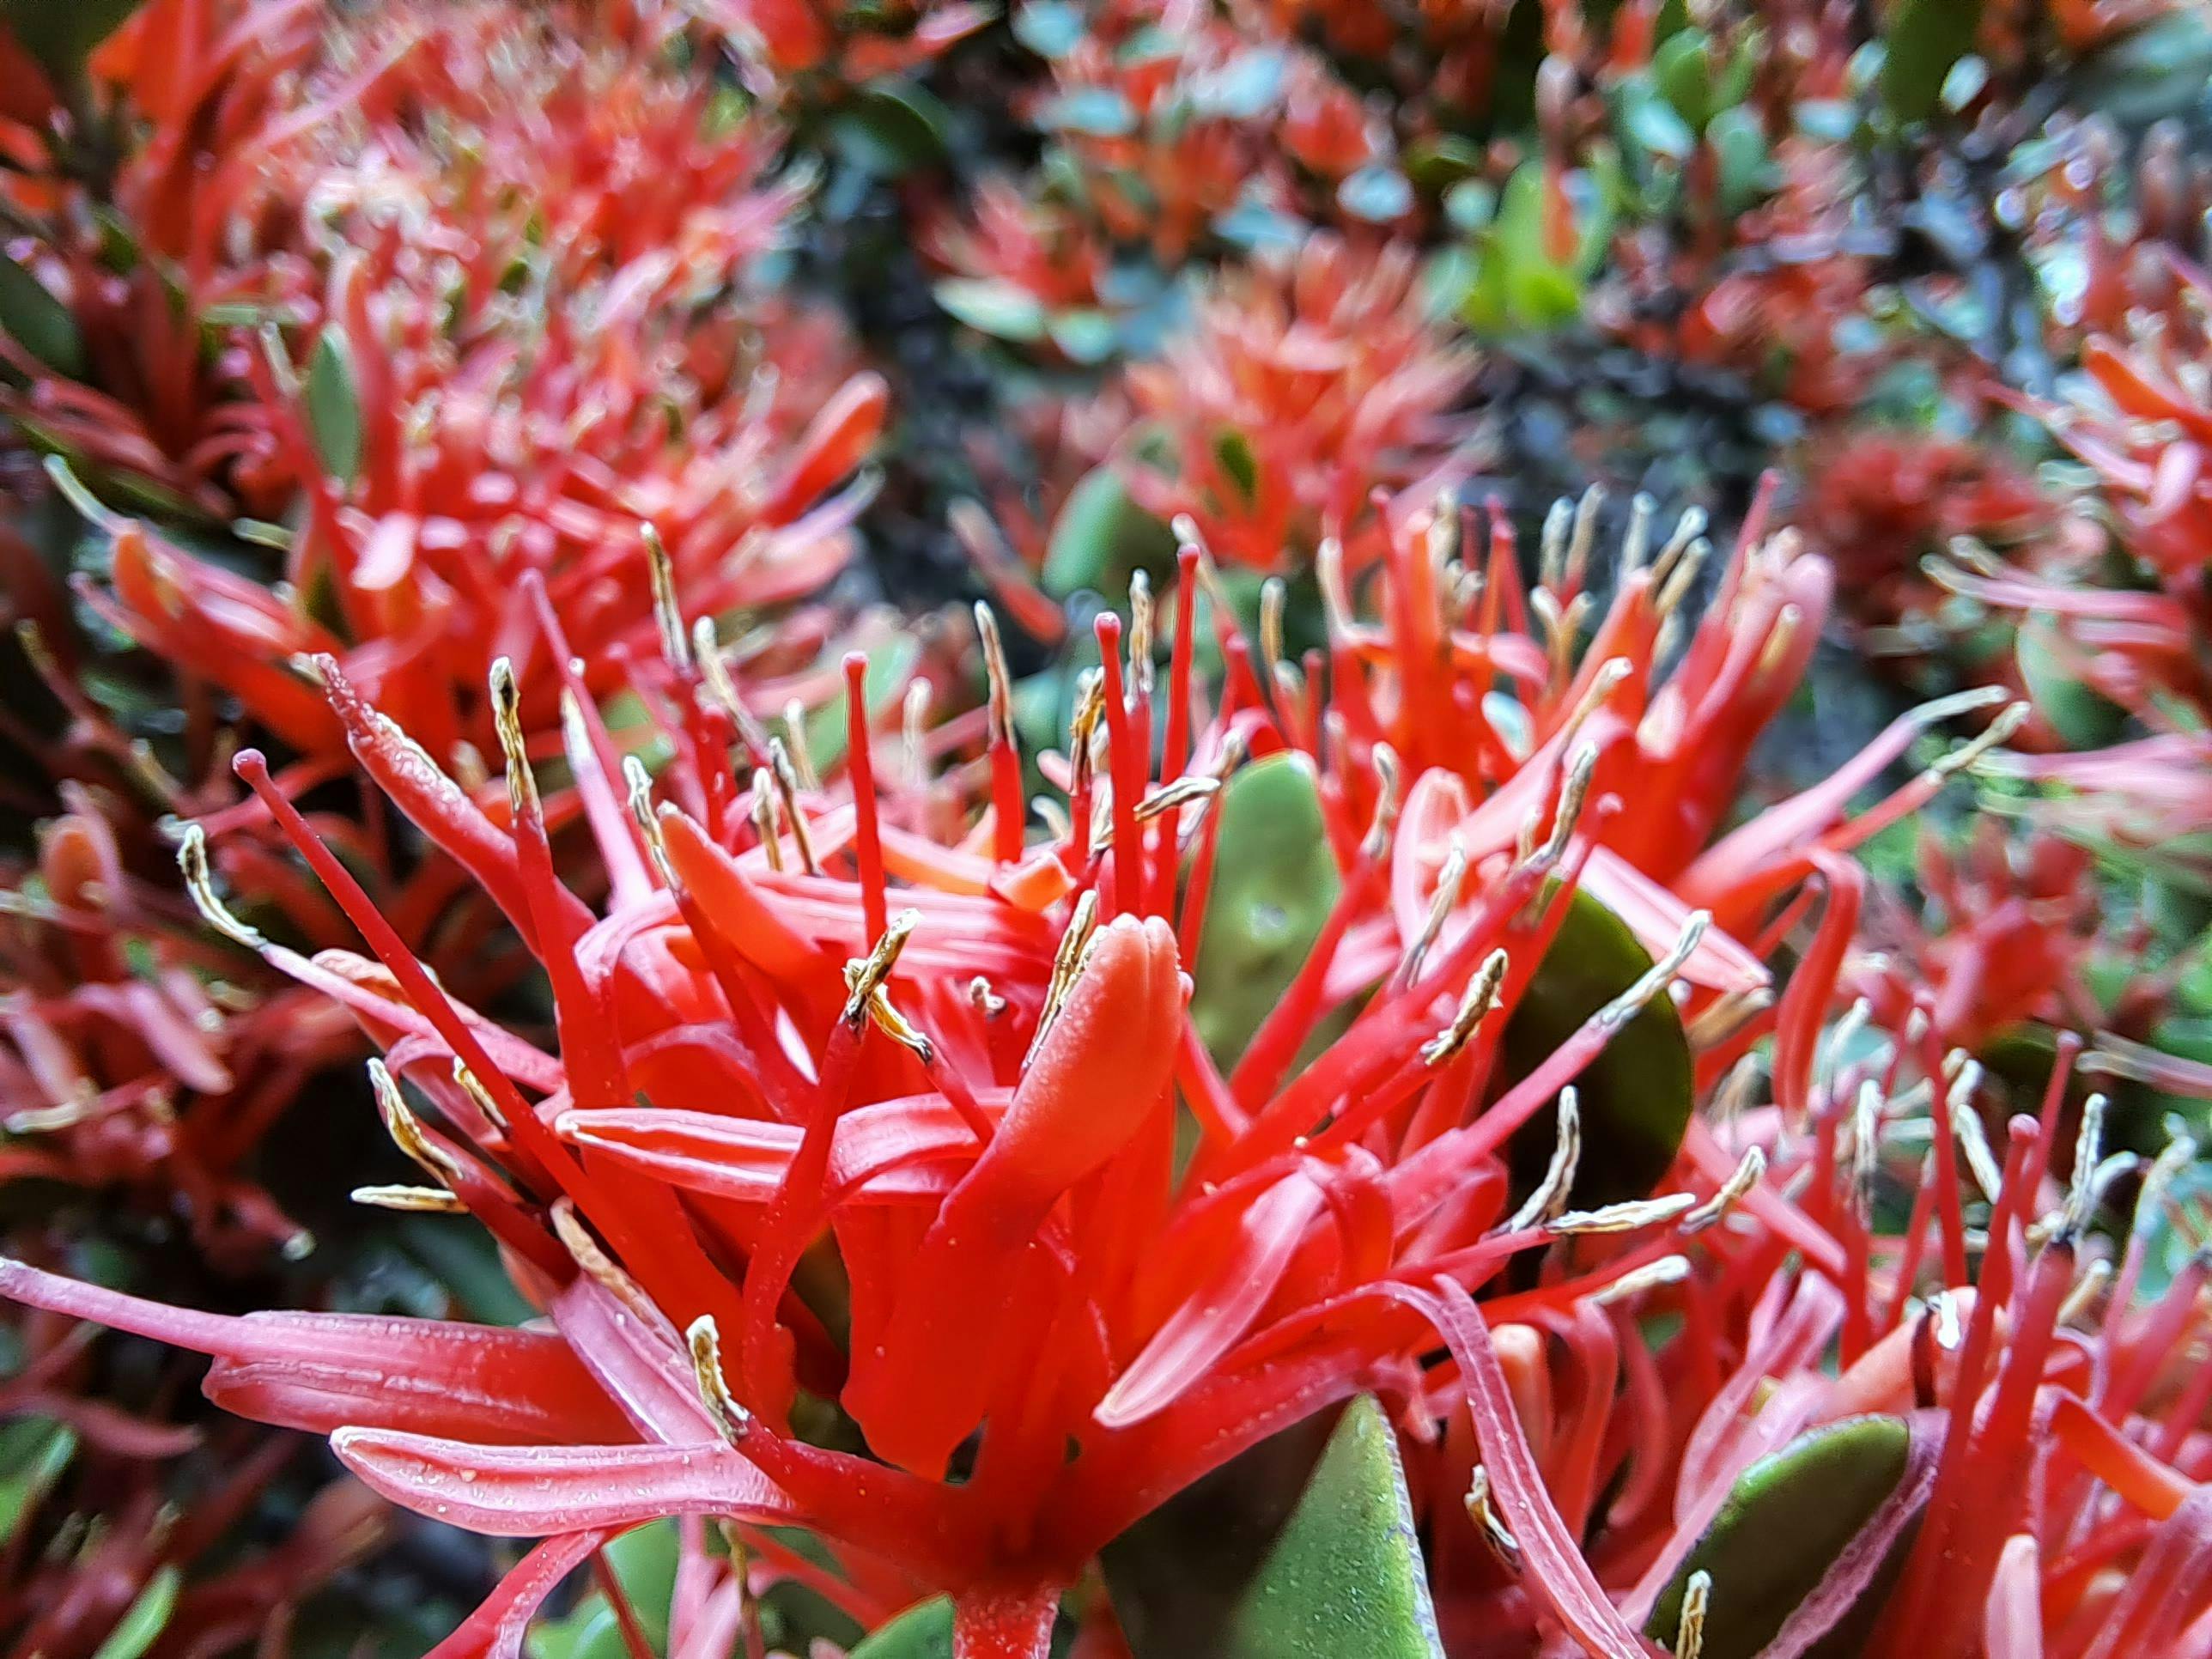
[[1041, 1323]]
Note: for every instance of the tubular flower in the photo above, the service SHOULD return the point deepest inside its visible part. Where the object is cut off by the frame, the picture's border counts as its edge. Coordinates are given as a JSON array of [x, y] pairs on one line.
[[1302, 384], [125, 1062], [923, 1191]]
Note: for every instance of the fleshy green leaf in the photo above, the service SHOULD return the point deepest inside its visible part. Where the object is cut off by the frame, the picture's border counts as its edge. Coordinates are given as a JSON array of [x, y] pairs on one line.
[[33, 1452], [334, 420], [889, 666], [1050, 28], [1925, 39], [39, 323], [2151, 73], [1636, 1095], [923, 1632], [1273, 887], [1783, 1528], [1301, 1548], [1101, 536], [992, 307], [61, 33], [1232, 451], [2082, 719], [143, 1624]]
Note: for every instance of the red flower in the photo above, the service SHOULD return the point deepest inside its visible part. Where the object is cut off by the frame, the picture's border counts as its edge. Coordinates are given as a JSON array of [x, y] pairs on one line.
[[972, 1100]]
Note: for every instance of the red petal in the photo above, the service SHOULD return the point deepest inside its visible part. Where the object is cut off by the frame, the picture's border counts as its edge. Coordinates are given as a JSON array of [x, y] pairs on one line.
[[524, 1491]]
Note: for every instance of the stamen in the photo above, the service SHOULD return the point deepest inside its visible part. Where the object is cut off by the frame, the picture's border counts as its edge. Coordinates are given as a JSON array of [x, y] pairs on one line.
[[764, 818], [2086, 1291], [1866, 1146], [1000, 684], [507, 718], [1729, 1013], [199, 883], [914, 719], [2082, 1192], [479, 1097], [585, 1251], [787, 789], [1585, 533], [1636, 546], [1551, 557], [1488, 1523], [2006, 720], [639, 783], [794, 743], [1550, 1197], [1067, 964], [1442, 902], [1335, 596], [1689, 1634], [1633, 1216], [1574, 791], [1966, 1128], [867, 999], [1651, 1276], [406, 1129], [1679, 580], [704, 1339], [1141, 631], [1626, 1006], [1376, 841], [715, 672], [675, 642], [1274, 593], [1749, 1171], [1482, 996], [421, 1201]]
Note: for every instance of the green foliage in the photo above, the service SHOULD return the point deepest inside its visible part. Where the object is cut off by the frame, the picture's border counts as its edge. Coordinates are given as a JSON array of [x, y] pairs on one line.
[[34, 1453], [61, 33], [334, 413], [1787, 1520], [1272, 889], [1102, 536], [1926, 39], [32, 317], [1636, 1096], [1302, 1549]]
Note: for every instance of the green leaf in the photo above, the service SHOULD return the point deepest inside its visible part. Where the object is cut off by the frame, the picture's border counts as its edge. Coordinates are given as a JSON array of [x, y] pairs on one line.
[[1376, 193], [32, 317], [1925, 39], [1050, 28], [1635, 1097], [992, 306], [1788, 1519], [892, 128], [1653, 123], [139, 1627], [890, 665], [334, 419], [1682, 69], [1084, 334], [1232, 450], [1094, 111], [2082, 719], [33, 1452], [1273, 885], [1298, 1549], [2151, 73], [923, 1632], [61, 33], [1101, 536]]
